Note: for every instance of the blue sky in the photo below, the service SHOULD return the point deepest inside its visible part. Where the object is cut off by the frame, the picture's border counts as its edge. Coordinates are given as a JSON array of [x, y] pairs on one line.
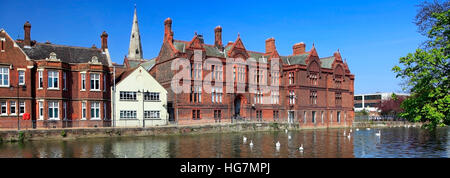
[[371, 35]]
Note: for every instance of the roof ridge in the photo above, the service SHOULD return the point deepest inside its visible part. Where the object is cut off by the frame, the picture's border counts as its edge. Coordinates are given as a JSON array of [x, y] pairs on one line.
[[59, 45]]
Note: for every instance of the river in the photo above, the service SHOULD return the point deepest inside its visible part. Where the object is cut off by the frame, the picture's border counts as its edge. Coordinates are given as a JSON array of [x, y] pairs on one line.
[[322, 143]]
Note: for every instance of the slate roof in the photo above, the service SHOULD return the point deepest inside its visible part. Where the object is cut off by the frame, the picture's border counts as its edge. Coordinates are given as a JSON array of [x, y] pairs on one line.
[[297, 59], [68, 54], [290, 60], [327, 62], [133, 63], [148, 64], [124, 74]]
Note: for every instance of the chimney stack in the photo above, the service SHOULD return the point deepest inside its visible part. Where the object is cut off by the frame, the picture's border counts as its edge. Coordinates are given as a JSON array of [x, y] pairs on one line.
[[270, 45], [299, 48], [218, 37], [104, 37], [168, 29], [27, 29]]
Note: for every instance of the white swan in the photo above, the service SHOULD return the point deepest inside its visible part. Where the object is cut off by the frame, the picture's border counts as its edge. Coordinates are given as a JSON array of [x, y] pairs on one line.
[[357, 129], [289, 137], [368, 129], [301, 148], [379, 133], [251, 143], [278, 144], [244, 139], [285, 130], [351, 130], [348, 136]]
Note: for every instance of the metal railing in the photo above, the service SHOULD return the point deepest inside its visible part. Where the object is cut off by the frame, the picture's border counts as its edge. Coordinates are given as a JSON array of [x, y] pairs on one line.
[[377, 118]]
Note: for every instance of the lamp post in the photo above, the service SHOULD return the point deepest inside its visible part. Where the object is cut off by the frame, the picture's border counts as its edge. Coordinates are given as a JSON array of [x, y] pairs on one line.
[[143, 108], [18, 103]]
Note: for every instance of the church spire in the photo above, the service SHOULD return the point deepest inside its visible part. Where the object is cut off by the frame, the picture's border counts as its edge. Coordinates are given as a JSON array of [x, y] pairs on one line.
[[135, 49]]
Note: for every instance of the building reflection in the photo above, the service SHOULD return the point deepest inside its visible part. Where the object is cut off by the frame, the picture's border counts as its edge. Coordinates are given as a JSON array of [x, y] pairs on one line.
[[330, 143]]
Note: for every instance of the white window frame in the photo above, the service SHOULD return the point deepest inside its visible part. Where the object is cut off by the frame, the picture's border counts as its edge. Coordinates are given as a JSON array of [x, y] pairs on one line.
[[41, 110], [21, 73], [54, 105], [40, 79], [153, 114], [94, 107], [92, 78], [51, 74], [128, 96], [128, 114], [83, 110], [4, 104], [24, 107], [83, 81], [2, 74], [15, 108]]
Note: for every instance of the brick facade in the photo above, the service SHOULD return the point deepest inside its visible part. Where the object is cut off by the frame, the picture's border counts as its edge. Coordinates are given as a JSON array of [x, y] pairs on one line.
[[53, 83], [323, 86]]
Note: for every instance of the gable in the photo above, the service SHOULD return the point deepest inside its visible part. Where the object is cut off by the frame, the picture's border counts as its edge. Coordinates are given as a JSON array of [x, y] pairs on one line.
[[139, 79], [11, 50]]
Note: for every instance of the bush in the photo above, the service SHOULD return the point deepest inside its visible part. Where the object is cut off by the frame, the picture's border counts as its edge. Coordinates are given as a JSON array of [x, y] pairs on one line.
[[63, 133], [21, 136]]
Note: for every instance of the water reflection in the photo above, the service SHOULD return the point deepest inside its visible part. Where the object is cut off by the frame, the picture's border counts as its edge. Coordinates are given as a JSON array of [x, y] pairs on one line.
[[331, 143]]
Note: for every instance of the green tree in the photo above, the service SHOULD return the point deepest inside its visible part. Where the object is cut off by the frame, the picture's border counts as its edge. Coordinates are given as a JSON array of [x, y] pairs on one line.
[[426, 72]]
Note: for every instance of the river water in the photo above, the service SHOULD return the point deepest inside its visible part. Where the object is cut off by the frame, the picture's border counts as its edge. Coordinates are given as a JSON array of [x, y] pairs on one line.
[[324, 143]]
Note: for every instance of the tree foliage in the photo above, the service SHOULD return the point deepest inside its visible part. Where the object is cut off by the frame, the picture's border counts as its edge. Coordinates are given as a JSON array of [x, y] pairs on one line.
[[391, 106], [427, 72], [424, 19]]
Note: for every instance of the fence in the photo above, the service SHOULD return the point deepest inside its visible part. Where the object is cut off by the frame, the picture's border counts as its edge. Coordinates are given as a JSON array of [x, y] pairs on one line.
[[377, 118]]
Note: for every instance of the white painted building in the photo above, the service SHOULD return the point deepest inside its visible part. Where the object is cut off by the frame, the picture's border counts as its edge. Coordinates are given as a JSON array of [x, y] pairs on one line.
[[369, 102], [139, 100]]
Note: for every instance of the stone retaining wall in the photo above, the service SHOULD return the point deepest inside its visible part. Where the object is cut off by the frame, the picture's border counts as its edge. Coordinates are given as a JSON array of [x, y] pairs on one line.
[[74, 133]]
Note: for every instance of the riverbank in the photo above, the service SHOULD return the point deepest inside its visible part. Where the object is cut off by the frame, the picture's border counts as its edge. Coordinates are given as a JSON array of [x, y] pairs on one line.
[[75, 133]]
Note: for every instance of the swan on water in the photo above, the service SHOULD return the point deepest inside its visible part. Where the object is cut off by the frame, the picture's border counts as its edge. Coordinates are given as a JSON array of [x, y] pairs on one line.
[[368, 129], [379, 133], [244, 139], [278, 144], [301, 148], [357, 129], [289, 137], [251, 142]]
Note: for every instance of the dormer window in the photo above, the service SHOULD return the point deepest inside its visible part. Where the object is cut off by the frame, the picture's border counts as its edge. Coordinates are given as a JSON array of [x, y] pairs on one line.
[[52, 57], [94, 60]]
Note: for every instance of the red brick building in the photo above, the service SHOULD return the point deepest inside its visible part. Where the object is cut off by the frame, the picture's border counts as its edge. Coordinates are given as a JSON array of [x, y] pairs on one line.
[[312, 91], [58, 85]]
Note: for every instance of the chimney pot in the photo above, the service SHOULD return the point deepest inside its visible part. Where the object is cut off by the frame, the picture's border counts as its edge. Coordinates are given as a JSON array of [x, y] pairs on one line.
[[270, 45], [168, 29], [27, 38], [104, 38], [299, 48], [218, 37]]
